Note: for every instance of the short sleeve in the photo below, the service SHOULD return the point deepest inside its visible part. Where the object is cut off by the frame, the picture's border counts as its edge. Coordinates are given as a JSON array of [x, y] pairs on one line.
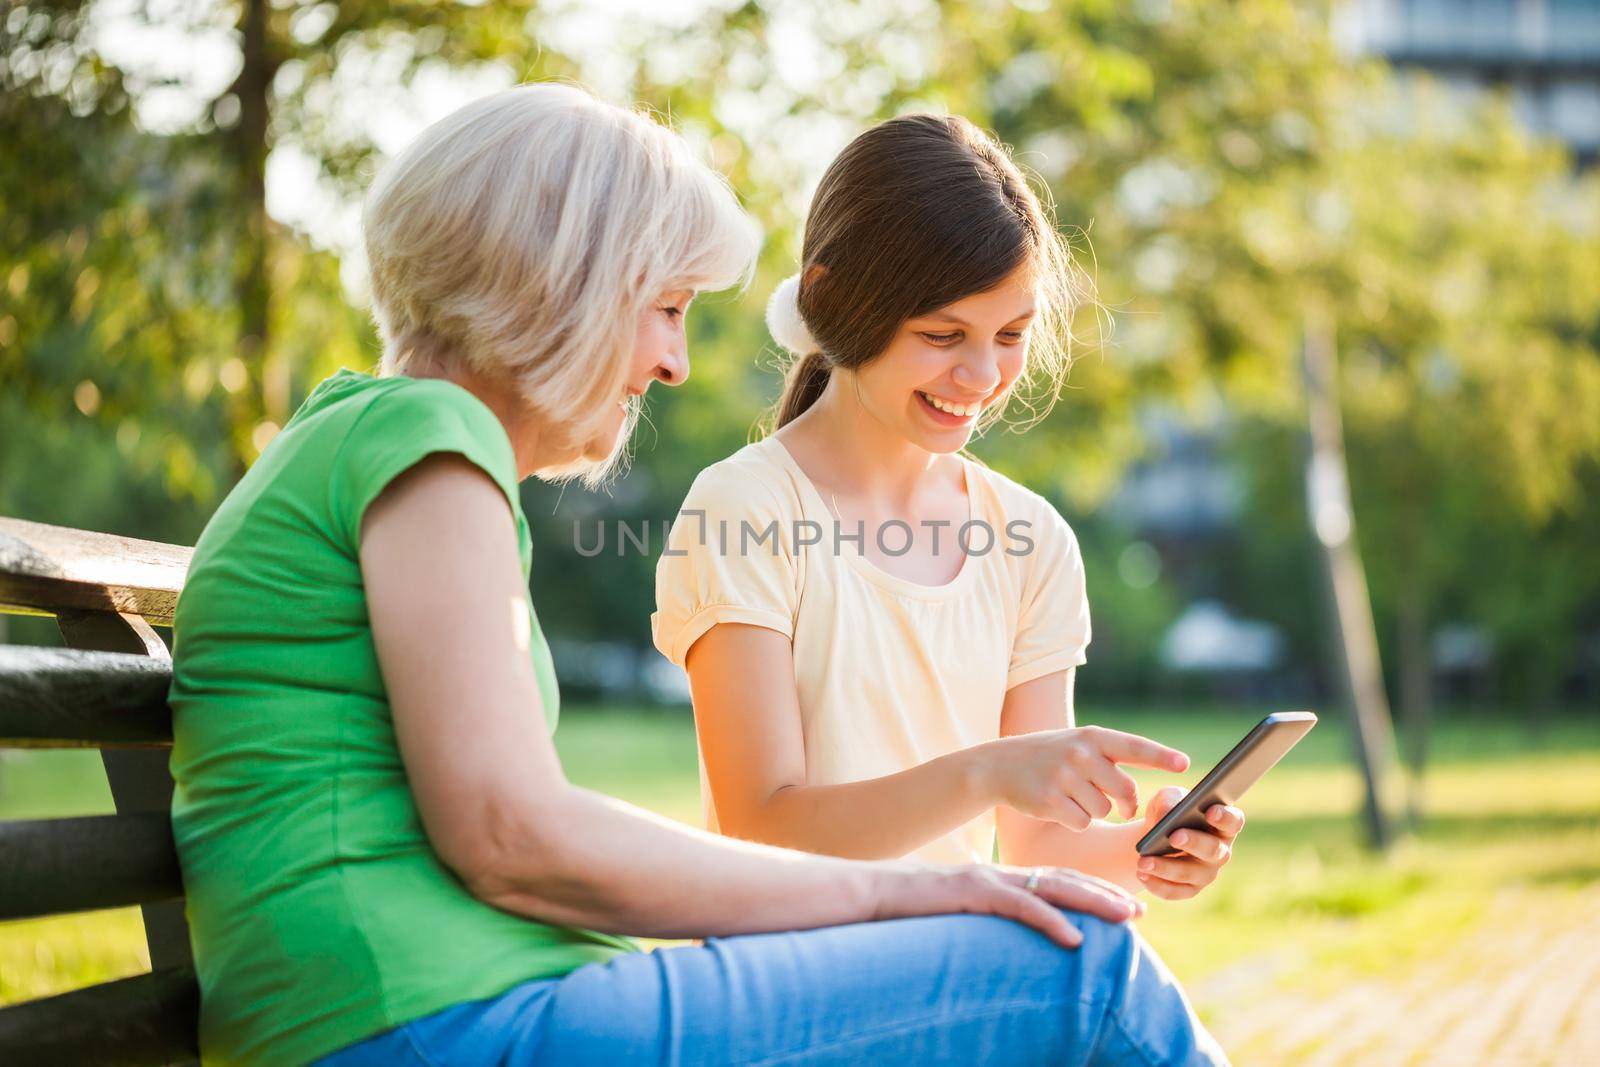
[[1053, 620], [729, 557], [401, 427]]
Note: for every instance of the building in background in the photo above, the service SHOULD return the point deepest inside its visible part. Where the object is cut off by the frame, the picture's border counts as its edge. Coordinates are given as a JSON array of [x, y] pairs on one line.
[[1546, 53]]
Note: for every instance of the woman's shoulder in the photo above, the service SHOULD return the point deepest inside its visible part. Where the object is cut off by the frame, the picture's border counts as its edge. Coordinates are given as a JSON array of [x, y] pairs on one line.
[[432, 402], [355, 433], [350, 407], [371, 417]]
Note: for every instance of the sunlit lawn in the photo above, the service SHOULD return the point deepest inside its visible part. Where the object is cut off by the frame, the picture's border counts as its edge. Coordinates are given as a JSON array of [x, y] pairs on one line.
[[1509, 806]]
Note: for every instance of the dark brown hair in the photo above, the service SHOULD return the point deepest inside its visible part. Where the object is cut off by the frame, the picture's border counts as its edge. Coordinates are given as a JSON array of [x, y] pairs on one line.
[[917, 213]]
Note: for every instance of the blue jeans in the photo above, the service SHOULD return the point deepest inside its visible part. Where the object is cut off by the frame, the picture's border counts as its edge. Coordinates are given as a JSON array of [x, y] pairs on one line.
[[956, 989]]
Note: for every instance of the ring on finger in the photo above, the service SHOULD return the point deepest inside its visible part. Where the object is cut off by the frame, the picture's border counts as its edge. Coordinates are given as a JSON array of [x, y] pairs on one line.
[[1033, 879]]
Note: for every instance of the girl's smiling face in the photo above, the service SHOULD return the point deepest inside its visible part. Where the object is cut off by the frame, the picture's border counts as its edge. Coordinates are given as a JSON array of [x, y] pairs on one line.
[[942, 370]]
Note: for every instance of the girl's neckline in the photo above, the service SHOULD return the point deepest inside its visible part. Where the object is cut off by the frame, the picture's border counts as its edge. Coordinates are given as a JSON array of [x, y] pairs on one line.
[[858, 559]]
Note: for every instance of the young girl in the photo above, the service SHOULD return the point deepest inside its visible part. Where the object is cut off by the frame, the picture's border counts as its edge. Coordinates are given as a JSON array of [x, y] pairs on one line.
[[880, 632]]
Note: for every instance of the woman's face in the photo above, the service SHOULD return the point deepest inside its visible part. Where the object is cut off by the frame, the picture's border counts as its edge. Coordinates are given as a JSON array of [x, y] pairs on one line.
[[943, 369], [660, 353]]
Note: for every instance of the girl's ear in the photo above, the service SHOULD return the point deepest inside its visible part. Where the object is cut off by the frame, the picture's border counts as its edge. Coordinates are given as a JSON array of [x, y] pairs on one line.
[[813, 272]]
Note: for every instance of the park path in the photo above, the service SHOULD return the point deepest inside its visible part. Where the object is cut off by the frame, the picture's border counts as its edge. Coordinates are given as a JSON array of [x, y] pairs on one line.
[[1520, 987]]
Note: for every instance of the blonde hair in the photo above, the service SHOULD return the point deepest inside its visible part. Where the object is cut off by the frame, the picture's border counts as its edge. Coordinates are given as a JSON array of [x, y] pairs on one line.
[[523, 234]]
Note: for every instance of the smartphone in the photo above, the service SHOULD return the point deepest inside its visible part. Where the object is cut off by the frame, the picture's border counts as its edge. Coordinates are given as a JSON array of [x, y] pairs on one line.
[[1240, 769]]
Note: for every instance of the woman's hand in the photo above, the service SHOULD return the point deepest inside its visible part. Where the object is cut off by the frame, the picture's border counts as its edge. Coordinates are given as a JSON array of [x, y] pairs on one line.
[[1204, 851], [984, 889], [1071, 776]]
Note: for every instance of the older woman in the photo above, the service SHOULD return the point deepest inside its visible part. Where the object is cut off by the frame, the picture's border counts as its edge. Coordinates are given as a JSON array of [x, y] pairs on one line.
[[384, 861]]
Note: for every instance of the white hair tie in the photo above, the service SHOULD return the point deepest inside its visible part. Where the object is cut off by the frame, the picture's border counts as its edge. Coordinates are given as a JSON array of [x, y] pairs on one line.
[[784, 321]]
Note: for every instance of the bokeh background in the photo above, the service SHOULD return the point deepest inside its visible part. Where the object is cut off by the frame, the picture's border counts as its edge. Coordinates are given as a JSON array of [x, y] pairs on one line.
[[1399, 193]]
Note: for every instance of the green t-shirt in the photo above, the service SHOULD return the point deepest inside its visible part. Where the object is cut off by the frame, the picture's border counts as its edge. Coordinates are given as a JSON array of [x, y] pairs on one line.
[[319, 911]]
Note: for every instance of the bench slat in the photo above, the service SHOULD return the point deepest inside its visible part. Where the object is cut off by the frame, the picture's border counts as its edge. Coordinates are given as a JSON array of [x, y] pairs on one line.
[[135, 1022], [66, 698], [52, 866], [52, 568]]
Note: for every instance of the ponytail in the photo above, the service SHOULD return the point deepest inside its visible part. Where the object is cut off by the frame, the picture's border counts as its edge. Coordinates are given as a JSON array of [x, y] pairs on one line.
[[808, 373], [803, 385]]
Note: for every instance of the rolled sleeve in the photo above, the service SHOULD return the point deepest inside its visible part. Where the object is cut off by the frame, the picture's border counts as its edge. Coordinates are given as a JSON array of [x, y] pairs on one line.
[[728, 559], [1053, 621]]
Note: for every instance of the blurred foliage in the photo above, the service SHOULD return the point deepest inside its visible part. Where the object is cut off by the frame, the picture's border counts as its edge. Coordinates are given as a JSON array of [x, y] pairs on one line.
[[1223, 169], [128, 403]]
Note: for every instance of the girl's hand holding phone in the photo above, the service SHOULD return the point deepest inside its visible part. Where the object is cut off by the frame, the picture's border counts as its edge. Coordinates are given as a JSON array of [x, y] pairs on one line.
[[1072, 776], [1203, 852]]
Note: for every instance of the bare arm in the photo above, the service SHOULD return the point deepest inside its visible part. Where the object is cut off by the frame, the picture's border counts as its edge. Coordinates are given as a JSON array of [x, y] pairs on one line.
[[748, 716], [449, 618], [1104, 849]]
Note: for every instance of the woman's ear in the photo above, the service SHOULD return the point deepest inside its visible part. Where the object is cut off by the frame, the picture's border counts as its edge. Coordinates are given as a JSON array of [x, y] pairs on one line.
[[813, 272]]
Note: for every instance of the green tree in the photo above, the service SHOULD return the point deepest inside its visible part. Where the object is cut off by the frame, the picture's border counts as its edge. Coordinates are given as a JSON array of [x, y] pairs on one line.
[[1227, 167], [260, 313]]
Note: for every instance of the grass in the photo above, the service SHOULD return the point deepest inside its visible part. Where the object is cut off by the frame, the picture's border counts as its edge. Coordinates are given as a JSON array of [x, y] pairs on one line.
[[1505, 809], [43, 956], [1508, 807]]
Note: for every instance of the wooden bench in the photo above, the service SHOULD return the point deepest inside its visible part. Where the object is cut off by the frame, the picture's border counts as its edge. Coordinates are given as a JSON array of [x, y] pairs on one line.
[[106, 690]]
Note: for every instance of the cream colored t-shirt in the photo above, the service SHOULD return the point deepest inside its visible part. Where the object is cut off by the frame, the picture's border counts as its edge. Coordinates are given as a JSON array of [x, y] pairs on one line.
[[890, 673]]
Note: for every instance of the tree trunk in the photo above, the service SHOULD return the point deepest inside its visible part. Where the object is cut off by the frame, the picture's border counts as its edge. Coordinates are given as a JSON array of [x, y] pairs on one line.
[[1416, 684], [252, 284], [1352, 640]]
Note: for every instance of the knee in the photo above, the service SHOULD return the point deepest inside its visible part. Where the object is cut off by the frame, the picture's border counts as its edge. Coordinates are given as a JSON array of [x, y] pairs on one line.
[[1117, 960], [1102, 940], [1127, 979], [1104, 935], [1107, 951], [1112, 964], [1112, 947], [1109, 954]]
